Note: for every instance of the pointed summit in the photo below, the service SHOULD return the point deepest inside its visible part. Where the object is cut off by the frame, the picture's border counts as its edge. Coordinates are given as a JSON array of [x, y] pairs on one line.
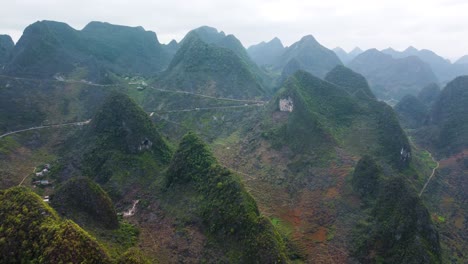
[[6, 46], [122, 125], [213, 69], [209, 34], [411, 50], [266, 53], [308, 39], [276, 41], [356, 51]]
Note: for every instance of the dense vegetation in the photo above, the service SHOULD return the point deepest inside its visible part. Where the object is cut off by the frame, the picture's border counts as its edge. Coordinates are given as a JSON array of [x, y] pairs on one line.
[[209, 69], [49, 102], [85, 202], [229, 213], [326, 115], [32, 232], [366, 178], [48, 48], [400, 228], [297, 165], [353, 82], [120, 148]]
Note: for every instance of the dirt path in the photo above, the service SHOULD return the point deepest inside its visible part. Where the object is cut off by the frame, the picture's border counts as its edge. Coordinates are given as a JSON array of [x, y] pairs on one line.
[[207, 96], [26, 177], [48, 126], [430, 177], [151, 87], [132, 210], [209, 108]]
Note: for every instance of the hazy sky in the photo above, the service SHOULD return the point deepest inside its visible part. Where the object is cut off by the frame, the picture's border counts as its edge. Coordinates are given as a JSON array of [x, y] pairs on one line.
[[439, 25]]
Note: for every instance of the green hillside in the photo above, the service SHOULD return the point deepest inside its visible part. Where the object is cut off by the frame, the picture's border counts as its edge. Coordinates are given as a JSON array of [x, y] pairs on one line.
[[401, 229], [228, 212], [353, 82], [325, 115], [200, 67], [120, 149], [32, 232], [85, 202], [50, 49]]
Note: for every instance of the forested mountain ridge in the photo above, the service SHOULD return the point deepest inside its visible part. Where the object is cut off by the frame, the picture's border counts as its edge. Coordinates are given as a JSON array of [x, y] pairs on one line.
[[203, 151], [50, 49]]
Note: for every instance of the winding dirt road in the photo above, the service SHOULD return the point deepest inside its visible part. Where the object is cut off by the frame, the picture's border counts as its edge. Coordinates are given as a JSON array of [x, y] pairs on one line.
[[430, 177], [48, 126]]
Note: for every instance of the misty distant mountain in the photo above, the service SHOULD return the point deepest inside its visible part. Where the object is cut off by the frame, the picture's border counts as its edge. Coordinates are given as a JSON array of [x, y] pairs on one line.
[[310, 56], [355, 52], [411, 112], [266, 53], [47, 49], [462, 60], [171, 47], [6, 46], [346, 57], [442, 68], [391, 78]]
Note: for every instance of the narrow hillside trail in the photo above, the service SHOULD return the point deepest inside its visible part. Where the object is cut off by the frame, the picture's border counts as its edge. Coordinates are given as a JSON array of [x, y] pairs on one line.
[[34, 169], [208, 96], [58, 80], [432, 175], [81, 123], [207, 108], [121, 85]]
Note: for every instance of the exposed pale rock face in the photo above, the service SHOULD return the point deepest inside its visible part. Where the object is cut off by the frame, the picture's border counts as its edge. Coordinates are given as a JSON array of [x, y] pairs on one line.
[[286, 105]]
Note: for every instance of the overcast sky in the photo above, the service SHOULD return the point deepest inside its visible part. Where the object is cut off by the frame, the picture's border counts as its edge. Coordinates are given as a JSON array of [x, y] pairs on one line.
[[439, 25]]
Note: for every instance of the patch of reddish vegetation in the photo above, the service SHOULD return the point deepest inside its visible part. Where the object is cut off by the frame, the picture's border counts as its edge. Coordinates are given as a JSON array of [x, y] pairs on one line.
[[161, 238], [332, 193], [320, 235], [307, 210], [459, 221], [454, 159]]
